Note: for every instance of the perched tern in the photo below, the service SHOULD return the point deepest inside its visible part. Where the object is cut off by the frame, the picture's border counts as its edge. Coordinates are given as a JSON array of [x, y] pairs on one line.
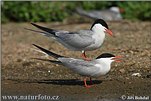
[[111, 14], [94, 68], [82, 40]]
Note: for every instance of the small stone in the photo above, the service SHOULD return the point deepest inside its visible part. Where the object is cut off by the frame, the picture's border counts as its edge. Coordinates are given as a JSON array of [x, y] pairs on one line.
[[19, 60], [136, 74], [148, 76], [122, 70]]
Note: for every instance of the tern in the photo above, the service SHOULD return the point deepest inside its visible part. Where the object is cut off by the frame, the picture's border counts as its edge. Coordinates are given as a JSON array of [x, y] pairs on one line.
[[82, 40], [111, 14], [94, 68]]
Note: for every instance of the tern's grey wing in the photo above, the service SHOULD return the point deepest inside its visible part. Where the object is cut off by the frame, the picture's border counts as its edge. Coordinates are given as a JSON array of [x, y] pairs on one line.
[[94, 14], [86, 13], [110, 15], [79, 40], [103, 14], [86, 68]]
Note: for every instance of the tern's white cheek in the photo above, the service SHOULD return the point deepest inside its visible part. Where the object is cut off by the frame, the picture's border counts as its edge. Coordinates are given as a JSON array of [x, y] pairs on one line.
[[98, 27]]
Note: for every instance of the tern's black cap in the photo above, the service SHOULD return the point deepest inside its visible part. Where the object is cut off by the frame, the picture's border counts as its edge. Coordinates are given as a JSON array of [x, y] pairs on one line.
[[105, 55], [100, 21]]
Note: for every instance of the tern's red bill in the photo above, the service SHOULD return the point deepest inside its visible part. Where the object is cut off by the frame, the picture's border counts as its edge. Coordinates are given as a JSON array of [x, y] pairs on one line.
[[117, 58], [109, 32]]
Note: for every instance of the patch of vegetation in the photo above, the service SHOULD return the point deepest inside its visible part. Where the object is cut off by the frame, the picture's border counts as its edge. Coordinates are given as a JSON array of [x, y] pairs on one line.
[[47, 11], [136, 10]]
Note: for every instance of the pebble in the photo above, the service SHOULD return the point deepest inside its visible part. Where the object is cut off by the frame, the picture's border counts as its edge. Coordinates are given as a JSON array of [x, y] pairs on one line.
[[136, 74], [148, 76], [19, 60], [122, 70]]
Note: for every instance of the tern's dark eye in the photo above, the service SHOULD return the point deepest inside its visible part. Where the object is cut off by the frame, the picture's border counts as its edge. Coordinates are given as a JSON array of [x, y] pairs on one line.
[[105, 55]]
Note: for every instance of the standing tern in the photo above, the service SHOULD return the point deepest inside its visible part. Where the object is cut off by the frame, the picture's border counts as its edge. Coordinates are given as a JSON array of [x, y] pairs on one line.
[[82, 40], [94, 68]]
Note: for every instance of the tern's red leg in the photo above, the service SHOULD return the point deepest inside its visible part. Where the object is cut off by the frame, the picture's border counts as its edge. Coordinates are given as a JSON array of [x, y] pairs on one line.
[[85, 83], [84, 56], [91, 81]]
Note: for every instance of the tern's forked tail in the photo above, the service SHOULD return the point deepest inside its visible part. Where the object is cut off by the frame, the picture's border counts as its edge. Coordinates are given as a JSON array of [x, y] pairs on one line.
[[48, 52], [48, 30]]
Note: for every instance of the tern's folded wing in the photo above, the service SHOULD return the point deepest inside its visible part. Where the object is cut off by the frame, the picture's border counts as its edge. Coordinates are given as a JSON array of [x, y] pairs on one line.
[[80, 66], [80, 39]]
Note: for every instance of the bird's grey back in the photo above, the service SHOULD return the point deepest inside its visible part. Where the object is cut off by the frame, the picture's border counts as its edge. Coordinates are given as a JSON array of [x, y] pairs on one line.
[[79, 40], [107, 15], [85, 68]]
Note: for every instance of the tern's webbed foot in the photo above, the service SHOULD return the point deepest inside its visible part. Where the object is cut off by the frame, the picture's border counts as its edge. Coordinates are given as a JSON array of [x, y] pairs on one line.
[[88, 86], [85, 83]]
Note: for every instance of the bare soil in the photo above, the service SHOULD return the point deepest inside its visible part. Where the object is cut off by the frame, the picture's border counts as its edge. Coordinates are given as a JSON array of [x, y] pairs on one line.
[[22, 75]]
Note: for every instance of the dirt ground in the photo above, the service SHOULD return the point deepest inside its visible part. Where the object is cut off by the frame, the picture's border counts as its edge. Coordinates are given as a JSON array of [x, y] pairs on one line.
[[22, 75]]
